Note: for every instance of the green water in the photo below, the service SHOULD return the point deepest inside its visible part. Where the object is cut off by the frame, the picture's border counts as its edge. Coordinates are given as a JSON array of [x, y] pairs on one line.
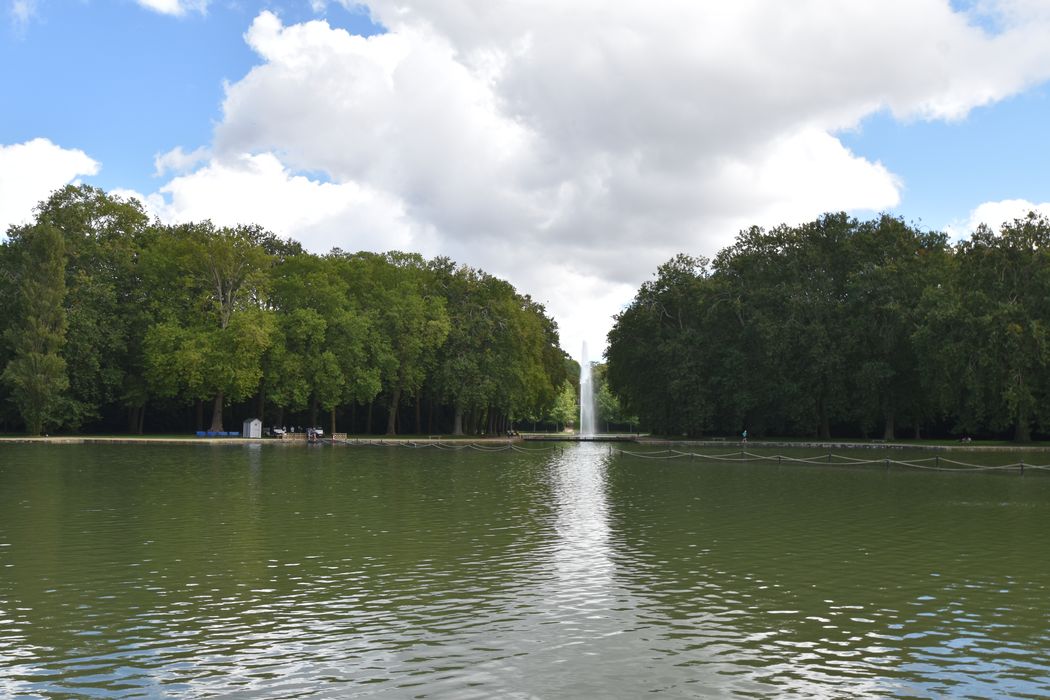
[[277, 571]]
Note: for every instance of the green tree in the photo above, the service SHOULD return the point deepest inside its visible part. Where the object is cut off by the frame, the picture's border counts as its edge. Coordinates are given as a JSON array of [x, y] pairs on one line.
[[214, 327], [658, 352], [608, 405], [322, 359], [997, 328], [793, 330], [36, 374], [495, 365], [892, 264], [566, 409], [407, 318], [105, 304]]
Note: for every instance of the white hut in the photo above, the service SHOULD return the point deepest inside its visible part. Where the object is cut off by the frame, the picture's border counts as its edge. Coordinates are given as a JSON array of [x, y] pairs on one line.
[[252, 428]]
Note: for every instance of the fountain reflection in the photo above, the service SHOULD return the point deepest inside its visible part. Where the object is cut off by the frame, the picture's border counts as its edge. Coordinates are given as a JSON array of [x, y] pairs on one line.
[[581, 557]]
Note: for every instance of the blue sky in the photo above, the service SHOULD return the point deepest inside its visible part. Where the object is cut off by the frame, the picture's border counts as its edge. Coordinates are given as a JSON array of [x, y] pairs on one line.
[[569, 147], [949, 168], [123, 82]]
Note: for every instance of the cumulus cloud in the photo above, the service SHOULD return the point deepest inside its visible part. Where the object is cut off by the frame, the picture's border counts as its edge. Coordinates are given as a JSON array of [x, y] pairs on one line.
[[31, 171], [320, 215], [995, 214], [572, 147], [177, 161]]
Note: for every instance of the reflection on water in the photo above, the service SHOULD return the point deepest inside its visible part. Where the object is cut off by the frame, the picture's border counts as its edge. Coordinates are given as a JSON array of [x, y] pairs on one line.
[[295, 572], [581, 557], [851, 583]]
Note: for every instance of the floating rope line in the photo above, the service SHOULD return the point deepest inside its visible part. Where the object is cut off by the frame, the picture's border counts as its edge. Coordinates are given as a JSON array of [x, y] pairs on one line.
[[840, 460], [519, 448], [923, 463]]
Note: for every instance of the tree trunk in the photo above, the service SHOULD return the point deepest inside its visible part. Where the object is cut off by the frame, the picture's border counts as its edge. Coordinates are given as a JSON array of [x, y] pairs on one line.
[[419, 414], [142, 419], [391, 419], [825, 424], [260, 406], [1022, 431], [368, 418], [200, 415], [430, 415], [889, 432], [332, 431], [457, 423], [216, 414], [353, 417]]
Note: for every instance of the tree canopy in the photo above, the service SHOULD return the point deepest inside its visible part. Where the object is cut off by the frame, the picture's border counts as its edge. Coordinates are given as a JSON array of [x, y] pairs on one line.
[[106, 313], [847, 327]]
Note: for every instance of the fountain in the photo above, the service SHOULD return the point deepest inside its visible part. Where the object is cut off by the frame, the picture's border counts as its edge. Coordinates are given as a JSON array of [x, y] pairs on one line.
[[587, 417]]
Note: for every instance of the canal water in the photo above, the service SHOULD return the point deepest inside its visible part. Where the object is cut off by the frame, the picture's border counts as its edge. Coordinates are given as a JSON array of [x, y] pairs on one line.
[[283, 572]]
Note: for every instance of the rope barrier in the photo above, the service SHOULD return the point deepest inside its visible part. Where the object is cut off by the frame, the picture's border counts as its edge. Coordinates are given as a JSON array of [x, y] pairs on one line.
[[739, 456], [841, 460]]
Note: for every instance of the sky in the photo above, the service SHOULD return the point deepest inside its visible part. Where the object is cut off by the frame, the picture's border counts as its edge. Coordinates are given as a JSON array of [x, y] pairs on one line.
[[569, 147]]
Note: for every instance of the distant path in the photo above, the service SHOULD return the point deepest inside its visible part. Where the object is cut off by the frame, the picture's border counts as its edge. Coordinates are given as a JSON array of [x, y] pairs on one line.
[[192, 440]]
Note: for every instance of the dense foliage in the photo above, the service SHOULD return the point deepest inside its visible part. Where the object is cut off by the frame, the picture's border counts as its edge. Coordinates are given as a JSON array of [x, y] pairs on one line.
[[110, 321], [847, 327]]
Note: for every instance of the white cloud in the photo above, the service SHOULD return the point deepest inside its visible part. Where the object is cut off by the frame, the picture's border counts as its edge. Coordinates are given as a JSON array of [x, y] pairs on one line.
[[175, 8], [995, 214], [572, 147], [22, 11], [31, 171], [258, 189], [177, 161]]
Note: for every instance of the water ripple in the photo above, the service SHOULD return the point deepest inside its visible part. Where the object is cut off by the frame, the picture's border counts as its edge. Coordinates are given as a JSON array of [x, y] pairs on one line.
[[293, 573]]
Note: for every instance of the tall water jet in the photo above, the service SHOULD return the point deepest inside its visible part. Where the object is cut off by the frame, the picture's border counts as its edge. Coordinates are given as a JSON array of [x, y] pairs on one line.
[[587, 419]]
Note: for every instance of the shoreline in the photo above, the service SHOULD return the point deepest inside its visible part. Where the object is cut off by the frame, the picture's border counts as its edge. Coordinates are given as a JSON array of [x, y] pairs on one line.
[[193, 440], [394, 441]]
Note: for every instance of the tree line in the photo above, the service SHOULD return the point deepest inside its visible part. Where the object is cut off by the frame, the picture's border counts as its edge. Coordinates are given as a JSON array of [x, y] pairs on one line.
[[110, 322], [846, 327]]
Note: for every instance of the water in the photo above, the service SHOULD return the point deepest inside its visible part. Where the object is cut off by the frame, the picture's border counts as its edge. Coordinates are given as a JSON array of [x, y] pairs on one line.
[[281, 571], [587, 413]]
